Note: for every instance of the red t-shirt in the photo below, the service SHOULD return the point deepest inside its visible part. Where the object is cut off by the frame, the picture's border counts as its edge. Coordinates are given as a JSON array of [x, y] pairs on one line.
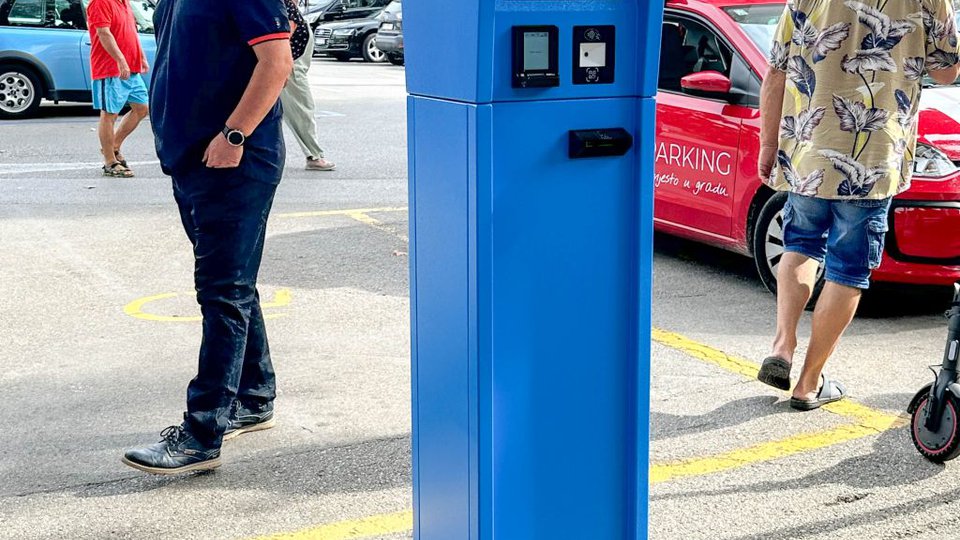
[[117, 15]]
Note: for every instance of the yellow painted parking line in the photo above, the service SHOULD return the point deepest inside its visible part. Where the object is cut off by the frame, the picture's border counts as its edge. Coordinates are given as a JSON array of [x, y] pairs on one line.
[[137, 308], [768, 451], [365, 218], [866, 422], [861, 414], [325, 213], [706, 353], [351, 530]]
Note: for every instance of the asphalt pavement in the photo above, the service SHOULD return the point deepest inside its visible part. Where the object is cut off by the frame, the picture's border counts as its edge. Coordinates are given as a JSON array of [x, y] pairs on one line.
[[99, 338]]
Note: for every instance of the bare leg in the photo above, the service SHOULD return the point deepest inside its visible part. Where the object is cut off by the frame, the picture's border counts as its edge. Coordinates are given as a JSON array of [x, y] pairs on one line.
[[107, 137], [835, 311], [128, 123], [796, 279]]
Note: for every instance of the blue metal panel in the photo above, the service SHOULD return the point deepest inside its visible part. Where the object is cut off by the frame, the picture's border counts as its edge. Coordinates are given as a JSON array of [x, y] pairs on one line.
[[650, 25], [461, 50], [447, 34], [565, 15], [531, 274], [442, 427], [562, 325], [643, 298]]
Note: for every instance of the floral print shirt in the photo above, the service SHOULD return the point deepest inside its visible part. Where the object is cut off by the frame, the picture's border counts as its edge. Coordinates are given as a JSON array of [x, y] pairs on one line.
[[854, 76]]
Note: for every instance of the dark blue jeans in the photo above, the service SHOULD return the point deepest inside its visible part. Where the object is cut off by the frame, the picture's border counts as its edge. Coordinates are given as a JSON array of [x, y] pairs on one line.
[[224, 214]]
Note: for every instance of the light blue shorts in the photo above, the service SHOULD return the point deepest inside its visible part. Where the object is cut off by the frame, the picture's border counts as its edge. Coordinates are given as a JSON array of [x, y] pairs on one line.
[[112, 94]]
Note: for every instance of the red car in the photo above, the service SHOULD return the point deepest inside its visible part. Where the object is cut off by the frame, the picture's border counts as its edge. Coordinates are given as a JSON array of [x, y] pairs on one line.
[[708, 135]]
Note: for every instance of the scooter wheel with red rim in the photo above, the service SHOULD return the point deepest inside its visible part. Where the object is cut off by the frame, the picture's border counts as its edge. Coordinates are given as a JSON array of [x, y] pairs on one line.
[[940, 446]]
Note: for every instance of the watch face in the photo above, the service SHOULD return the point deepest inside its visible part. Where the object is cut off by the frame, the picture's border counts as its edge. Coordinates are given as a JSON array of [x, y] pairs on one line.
[[235, 138]]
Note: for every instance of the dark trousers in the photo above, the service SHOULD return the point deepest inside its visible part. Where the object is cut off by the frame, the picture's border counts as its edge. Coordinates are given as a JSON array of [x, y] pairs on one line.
[[224, 214]]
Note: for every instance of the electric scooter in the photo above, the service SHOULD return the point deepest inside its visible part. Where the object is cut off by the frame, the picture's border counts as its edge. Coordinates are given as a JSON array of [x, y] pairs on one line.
[[935, 410]]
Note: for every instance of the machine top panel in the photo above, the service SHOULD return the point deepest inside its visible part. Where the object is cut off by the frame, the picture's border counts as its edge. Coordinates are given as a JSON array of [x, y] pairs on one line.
[[467, 51]]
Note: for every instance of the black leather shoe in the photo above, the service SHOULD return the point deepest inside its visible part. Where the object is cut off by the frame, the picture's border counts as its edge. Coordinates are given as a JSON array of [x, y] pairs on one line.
[[177, 453], [245, 419]]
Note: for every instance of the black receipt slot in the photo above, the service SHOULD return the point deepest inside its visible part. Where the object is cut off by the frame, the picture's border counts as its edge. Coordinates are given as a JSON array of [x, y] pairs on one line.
[[590, 143], [536, 57]]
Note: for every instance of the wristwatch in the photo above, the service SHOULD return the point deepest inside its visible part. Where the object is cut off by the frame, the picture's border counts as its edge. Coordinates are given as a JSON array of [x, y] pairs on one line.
[[234, 137]]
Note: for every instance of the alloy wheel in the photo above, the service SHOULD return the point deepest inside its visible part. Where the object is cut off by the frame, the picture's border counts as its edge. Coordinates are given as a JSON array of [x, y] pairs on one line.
[[17, 92], [375, 54], [774, 248]]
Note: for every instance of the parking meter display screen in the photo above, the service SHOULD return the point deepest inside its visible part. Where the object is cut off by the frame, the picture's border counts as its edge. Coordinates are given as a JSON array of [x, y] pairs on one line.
[[536, 51]]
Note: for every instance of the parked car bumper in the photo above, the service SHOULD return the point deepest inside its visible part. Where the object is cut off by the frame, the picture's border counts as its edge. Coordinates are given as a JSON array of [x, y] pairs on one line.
[[922, 245], [390, 42], [333, 46]]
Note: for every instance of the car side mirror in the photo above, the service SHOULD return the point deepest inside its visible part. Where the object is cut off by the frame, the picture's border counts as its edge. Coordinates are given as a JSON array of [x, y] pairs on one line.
[[708, 83]]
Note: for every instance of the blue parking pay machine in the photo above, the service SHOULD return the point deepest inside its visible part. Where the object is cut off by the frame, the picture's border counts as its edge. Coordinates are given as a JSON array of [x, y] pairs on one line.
[[531, 141]]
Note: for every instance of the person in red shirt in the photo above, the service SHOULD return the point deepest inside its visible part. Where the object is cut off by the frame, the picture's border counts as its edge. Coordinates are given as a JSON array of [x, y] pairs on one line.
[[116, 64]]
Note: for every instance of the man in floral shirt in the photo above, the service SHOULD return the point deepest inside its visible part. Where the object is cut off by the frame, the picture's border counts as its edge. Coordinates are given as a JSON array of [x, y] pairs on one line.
[[839, 108]]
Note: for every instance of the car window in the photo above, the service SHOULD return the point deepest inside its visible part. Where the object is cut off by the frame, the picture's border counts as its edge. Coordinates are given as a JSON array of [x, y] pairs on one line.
[[21, 13], [359, 4], [70, 14], [67, 14], [142, 13], [687, 47]]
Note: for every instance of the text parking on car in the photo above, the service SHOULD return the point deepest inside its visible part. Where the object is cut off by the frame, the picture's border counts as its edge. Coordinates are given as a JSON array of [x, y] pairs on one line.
[[707, 186]]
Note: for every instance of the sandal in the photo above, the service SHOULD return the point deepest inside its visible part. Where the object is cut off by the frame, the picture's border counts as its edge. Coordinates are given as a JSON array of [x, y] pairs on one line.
[[830, 391], [117, 170], [120, 159], [775, 372]]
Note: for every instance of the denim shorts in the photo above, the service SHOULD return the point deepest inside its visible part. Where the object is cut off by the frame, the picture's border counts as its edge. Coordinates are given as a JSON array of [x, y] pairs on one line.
[[848, 235]]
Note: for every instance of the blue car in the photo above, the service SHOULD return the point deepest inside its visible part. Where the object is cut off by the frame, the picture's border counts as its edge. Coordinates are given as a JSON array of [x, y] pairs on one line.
[[45, 52]]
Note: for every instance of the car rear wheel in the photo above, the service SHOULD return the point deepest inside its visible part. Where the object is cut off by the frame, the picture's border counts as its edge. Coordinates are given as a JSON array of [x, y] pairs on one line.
[[395, 59], [370, 51], [768, 248], [20, 92]]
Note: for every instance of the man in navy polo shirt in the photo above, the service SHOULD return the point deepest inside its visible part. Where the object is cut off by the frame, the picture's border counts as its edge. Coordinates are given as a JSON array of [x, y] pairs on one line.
[[218, 74]]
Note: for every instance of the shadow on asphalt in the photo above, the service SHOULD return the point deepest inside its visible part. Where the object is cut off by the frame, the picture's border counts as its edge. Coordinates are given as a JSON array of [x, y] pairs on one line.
[[367, 466], [669, 426], [883, 301], [893, 462], [895, 403], [707, 258], [352, 256], [63, 113]]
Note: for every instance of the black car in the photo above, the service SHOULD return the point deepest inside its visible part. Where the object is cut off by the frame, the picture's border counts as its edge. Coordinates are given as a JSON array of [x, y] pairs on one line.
[[316, 11], [344, 40], [321, 11], [390, 34]]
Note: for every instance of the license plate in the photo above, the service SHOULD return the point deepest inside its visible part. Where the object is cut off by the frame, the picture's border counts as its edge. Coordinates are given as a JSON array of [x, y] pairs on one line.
[[322, 41]]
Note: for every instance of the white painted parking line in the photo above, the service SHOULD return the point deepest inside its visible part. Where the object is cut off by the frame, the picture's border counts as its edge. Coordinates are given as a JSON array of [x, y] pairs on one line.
[[21, 168]]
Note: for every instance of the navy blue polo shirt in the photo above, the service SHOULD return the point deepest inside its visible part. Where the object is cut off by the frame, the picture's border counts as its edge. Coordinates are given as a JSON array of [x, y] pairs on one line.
[[204, 62]]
